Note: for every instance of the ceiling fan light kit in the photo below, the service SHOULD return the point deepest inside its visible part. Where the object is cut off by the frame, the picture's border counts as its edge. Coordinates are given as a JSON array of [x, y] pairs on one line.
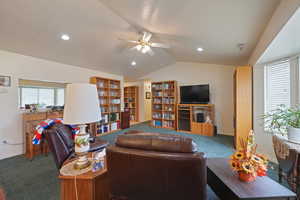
[[144, 45]]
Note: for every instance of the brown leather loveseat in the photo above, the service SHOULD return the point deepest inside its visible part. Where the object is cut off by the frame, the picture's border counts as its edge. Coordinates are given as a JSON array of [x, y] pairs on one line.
[[156, 167]]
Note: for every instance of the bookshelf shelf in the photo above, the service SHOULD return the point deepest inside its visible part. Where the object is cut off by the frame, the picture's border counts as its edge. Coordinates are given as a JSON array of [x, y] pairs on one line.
[[131, 102], [164, 99], [109, 92]]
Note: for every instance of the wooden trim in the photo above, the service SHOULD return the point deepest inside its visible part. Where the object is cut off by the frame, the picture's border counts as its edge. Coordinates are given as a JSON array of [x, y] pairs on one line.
[[35, 83], [243, 103]]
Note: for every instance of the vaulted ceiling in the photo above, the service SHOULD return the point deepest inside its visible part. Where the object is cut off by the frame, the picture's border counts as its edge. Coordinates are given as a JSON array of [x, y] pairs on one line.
[[286, 43], [34, 28]]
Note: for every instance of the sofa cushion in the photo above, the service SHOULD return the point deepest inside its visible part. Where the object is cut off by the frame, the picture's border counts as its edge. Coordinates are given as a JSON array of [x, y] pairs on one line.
[[157, 142]]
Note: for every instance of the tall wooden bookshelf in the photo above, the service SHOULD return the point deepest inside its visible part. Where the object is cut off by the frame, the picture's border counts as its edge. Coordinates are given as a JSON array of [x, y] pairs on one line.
[[164, 100], [131, 102], [109, 92]]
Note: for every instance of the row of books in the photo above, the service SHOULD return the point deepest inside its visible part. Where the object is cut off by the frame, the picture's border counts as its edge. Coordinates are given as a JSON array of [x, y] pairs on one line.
[[112, 109], [103, 84], [112, 101], [168, 124], [104, 128], [157, 123], [164, 86], [168, 100], [129, 105]]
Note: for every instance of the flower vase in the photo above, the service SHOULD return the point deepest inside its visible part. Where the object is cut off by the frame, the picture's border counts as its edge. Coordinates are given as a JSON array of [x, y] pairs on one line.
[[246, 177]]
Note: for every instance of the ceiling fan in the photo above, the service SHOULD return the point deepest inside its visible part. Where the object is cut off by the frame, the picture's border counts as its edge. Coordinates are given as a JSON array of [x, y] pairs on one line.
[[144, 44]]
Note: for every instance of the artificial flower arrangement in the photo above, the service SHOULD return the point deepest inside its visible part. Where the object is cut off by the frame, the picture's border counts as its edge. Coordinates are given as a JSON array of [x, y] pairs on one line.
[[247, 162]]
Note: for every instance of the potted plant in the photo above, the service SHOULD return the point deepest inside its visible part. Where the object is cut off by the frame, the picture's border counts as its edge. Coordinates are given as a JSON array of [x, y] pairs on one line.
[[285, 121]]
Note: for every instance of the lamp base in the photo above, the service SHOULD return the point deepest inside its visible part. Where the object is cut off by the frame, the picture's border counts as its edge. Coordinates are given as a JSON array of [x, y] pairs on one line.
[[82, 163]]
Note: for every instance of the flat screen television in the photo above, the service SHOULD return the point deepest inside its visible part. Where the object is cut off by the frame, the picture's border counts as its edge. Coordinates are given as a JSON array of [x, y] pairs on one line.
[[194, 94]]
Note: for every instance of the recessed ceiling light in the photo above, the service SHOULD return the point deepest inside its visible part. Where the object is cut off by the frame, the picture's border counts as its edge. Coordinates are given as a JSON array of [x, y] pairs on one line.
[[133, 63], [200, 49], [65, 37]]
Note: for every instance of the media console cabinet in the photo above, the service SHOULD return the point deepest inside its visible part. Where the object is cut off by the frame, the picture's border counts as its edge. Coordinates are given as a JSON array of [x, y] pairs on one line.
[[196, 118]]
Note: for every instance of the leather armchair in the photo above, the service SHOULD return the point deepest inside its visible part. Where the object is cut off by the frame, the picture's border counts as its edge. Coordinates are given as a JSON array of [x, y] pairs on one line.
[[61, 143], [156, 166]]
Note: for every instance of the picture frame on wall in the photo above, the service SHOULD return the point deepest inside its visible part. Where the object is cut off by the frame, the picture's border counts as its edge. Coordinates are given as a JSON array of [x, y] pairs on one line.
[[5, 81], [148, 95]]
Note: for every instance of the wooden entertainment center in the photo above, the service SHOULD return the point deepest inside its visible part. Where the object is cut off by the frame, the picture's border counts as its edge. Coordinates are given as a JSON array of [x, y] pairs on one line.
[[196, 118], [190, 118]]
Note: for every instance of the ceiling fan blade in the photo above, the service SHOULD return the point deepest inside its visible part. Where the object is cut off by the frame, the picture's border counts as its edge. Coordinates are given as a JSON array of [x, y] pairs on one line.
[[147, 36], [160, 45], [133, 48], [150, 52], [131, 41], [136, 47]]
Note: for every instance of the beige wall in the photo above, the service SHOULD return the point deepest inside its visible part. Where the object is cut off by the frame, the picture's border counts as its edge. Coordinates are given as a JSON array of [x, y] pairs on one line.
[[147, 102], [220, 79], [25, 67]]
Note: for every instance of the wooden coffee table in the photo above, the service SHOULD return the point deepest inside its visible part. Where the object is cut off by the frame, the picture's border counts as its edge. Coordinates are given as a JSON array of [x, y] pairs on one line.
[[225, 183]]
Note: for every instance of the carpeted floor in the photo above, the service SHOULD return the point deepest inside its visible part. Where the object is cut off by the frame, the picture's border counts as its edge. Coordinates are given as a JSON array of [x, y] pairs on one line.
[[35, 180]]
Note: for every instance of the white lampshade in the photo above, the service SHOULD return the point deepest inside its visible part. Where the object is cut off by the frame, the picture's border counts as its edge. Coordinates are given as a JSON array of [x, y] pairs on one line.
[[82, 104]]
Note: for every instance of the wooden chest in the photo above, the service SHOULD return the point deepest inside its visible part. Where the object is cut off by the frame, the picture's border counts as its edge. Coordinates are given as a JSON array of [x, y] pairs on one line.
[[30, 121]]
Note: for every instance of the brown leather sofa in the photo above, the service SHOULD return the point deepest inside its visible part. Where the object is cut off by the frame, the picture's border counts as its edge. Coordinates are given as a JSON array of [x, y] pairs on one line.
[[61, 143], [156, 167]]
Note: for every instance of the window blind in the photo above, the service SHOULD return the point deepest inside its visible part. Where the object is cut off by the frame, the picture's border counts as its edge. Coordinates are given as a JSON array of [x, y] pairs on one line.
[[277, 85]]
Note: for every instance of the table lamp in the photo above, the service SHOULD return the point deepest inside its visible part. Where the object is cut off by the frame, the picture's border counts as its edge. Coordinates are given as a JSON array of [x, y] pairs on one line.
[[81, 107]]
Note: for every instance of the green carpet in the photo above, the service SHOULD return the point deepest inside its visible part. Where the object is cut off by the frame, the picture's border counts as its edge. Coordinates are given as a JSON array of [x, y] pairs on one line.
[[35, 180]]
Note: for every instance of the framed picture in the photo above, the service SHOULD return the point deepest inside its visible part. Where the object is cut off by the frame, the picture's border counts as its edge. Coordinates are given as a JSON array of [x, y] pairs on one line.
[[5, 81], [148, 95]]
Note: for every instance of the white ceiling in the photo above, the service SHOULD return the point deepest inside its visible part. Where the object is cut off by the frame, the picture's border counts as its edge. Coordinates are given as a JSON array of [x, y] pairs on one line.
[[286, 43], [34, 27]]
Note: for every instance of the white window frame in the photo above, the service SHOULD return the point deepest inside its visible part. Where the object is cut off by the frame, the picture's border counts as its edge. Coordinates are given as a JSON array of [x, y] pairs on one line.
[[34, 87], [267, 84]]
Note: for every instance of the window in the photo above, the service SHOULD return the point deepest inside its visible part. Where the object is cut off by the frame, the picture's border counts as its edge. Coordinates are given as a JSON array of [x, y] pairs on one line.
[[277, 85], [41, 92], [60, 97], [42, 96]]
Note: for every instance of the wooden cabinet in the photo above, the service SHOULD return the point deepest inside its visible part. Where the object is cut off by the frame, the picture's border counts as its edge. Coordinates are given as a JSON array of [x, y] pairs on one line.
[[125, 120], [243, 100], [109, 92], [131, 102], [164, 100], [196, 118], [30, 121]]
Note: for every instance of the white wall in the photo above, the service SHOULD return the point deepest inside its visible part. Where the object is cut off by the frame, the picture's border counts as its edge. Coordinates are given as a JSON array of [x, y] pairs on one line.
[[220, 79], [280, 17], [262, 138], [19, 66]]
